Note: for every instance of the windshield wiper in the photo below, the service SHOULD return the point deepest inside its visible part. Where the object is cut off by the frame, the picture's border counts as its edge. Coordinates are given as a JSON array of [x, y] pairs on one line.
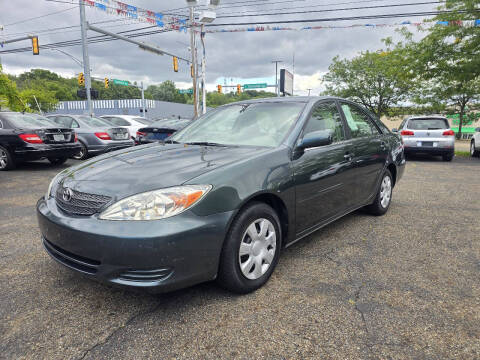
[[204, 143]]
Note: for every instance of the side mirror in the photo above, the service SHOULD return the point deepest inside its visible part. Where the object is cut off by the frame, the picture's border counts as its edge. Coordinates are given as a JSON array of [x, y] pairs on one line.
[[316, 139], [395, 130]]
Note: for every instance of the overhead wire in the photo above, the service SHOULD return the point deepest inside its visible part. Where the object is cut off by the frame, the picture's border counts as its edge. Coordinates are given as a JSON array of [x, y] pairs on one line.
[[40, 17]]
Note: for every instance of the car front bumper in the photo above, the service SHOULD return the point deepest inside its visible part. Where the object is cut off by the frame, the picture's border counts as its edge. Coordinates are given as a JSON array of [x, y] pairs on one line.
[[40, 151], [161, 255]]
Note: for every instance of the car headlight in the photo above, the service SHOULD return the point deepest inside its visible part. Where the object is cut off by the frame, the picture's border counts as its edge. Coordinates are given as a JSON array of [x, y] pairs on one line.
[[156, 205], [54, 181]]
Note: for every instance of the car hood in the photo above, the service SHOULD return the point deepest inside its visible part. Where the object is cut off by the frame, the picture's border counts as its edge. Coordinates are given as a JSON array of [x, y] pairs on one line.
[[150, 167]]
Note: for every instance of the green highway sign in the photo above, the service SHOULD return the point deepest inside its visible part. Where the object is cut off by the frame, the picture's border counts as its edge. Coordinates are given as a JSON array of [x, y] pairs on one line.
[[185, 91], [121, 82], [254, 86]]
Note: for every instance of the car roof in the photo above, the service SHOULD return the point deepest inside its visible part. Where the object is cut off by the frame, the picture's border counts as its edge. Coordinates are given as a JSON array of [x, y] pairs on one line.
[[303, 99], [419, 117], [126, 117]]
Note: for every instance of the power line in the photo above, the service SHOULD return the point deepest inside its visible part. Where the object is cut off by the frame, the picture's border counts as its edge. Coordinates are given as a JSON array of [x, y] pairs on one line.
[[362, 17], [41, 16], [332, 10]]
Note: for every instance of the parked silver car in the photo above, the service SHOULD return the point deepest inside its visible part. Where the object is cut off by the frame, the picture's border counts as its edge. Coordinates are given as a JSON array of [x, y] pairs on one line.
[[94, 135], [428, 135]]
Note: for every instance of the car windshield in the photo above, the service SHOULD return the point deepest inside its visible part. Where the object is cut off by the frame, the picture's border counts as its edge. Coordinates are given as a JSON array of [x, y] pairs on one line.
[[94, 122], [29, 121], [427, 124], [255, 124]]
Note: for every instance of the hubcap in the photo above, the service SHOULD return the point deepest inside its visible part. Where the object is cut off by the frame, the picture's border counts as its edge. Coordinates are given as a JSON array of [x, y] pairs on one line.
[[3, 159], [80, 153], [386, 192], [257, 249]]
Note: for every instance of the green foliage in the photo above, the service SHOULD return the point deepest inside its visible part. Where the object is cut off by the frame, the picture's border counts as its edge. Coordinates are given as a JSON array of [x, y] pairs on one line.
[[214, 99], [447, 60], [9, 95], [377, 80], [46, 99], [166, 91]]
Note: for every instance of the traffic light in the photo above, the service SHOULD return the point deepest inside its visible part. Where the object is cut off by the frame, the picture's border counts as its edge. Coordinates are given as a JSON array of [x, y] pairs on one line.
[[81, 79], [239, 89], [106, 83], [219, 89], [175, 64], [35, 47]]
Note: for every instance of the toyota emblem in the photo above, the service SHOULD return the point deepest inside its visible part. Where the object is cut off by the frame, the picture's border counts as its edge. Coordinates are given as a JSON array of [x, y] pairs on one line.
[[67, 194]]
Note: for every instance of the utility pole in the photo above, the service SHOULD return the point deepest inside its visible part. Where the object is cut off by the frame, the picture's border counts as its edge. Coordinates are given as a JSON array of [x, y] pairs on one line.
[[143, 100], [86, 60], [277, 90], [194, 60], [204, 83]]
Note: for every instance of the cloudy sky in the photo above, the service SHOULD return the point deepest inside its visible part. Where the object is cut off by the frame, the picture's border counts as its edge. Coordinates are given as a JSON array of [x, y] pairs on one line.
[[238, 57]]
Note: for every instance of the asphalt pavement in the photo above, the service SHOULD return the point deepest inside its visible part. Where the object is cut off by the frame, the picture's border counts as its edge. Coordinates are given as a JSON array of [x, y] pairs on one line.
[[402, 286]]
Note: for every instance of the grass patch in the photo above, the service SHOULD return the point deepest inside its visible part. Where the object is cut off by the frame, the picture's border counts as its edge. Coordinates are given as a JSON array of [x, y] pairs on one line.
[[462, 153]]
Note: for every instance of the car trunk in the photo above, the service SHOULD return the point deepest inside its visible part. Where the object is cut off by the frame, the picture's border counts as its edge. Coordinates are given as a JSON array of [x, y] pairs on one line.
[[119, 134], [157, 134], [427, 132], [55, 135]]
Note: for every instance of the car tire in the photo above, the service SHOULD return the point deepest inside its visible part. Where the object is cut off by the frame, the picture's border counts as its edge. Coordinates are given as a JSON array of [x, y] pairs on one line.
[[82, 154], [383, 199], [473, 151], [7, 162], [448, 157], [251, 249], [57, 161]]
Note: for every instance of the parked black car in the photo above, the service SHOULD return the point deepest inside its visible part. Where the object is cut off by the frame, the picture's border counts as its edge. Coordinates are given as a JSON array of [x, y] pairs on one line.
[[160, 130], [220, 198], [26, 137], [95, 136]]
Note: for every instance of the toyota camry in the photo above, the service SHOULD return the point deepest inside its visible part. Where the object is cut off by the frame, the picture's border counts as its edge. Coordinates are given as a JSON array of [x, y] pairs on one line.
[[222, 197]]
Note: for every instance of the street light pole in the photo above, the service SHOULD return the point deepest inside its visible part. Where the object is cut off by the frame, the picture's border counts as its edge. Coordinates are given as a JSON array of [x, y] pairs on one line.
[[277, 90], [86, 60], [143, 100], [204, 82]]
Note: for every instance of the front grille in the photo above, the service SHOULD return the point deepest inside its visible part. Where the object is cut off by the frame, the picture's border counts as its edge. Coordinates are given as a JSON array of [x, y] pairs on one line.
[[80, 263], [80, 203]]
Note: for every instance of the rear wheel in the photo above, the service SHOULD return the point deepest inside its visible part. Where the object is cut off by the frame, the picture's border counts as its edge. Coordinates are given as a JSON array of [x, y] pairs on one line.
[[57, 161], [6, 160], [82, 154], [384, 196], [251, 249], [473, 151], [448, 157]]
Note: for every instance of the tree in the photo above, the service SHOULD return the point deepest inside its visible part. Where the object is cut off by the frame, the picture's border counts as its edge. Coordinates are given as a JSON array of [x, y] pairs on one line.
[[447, 59], [166, 91], [377, 80], [9, 93], [46, 99]]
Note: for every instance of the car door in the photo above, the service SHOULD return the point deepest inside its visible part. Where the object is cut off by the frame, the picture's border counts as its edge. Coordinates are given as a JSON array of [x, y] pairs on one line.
[[369, 148], [323, 174]]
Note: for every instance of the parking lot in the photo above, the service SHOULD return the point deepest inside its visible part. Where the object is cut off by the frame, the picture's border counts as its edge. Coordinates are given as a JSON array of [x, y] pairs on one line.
[[401, 286]]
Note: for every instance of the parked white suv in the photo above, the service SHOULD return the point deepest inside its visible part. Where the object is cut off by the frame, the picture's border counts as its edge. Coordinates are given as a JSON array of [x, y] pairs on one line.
[[475, 144], [130, 122]]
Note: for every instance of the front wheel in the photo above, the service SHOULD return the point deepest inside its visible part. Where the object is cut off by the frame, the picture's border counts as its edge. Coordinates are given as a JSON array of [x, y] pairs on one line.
[[251, 249], [473, 151], [384, 196], [6, 160]]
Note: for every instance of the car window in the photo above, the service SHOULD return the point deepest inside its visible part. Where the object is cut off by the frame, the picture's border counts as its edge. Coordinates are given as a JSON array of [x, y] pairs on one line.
[[94, 122], [75, 125], [428, 124], [359, 123], [27, 121], [326, 116], [117, 121], [64, 121]]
